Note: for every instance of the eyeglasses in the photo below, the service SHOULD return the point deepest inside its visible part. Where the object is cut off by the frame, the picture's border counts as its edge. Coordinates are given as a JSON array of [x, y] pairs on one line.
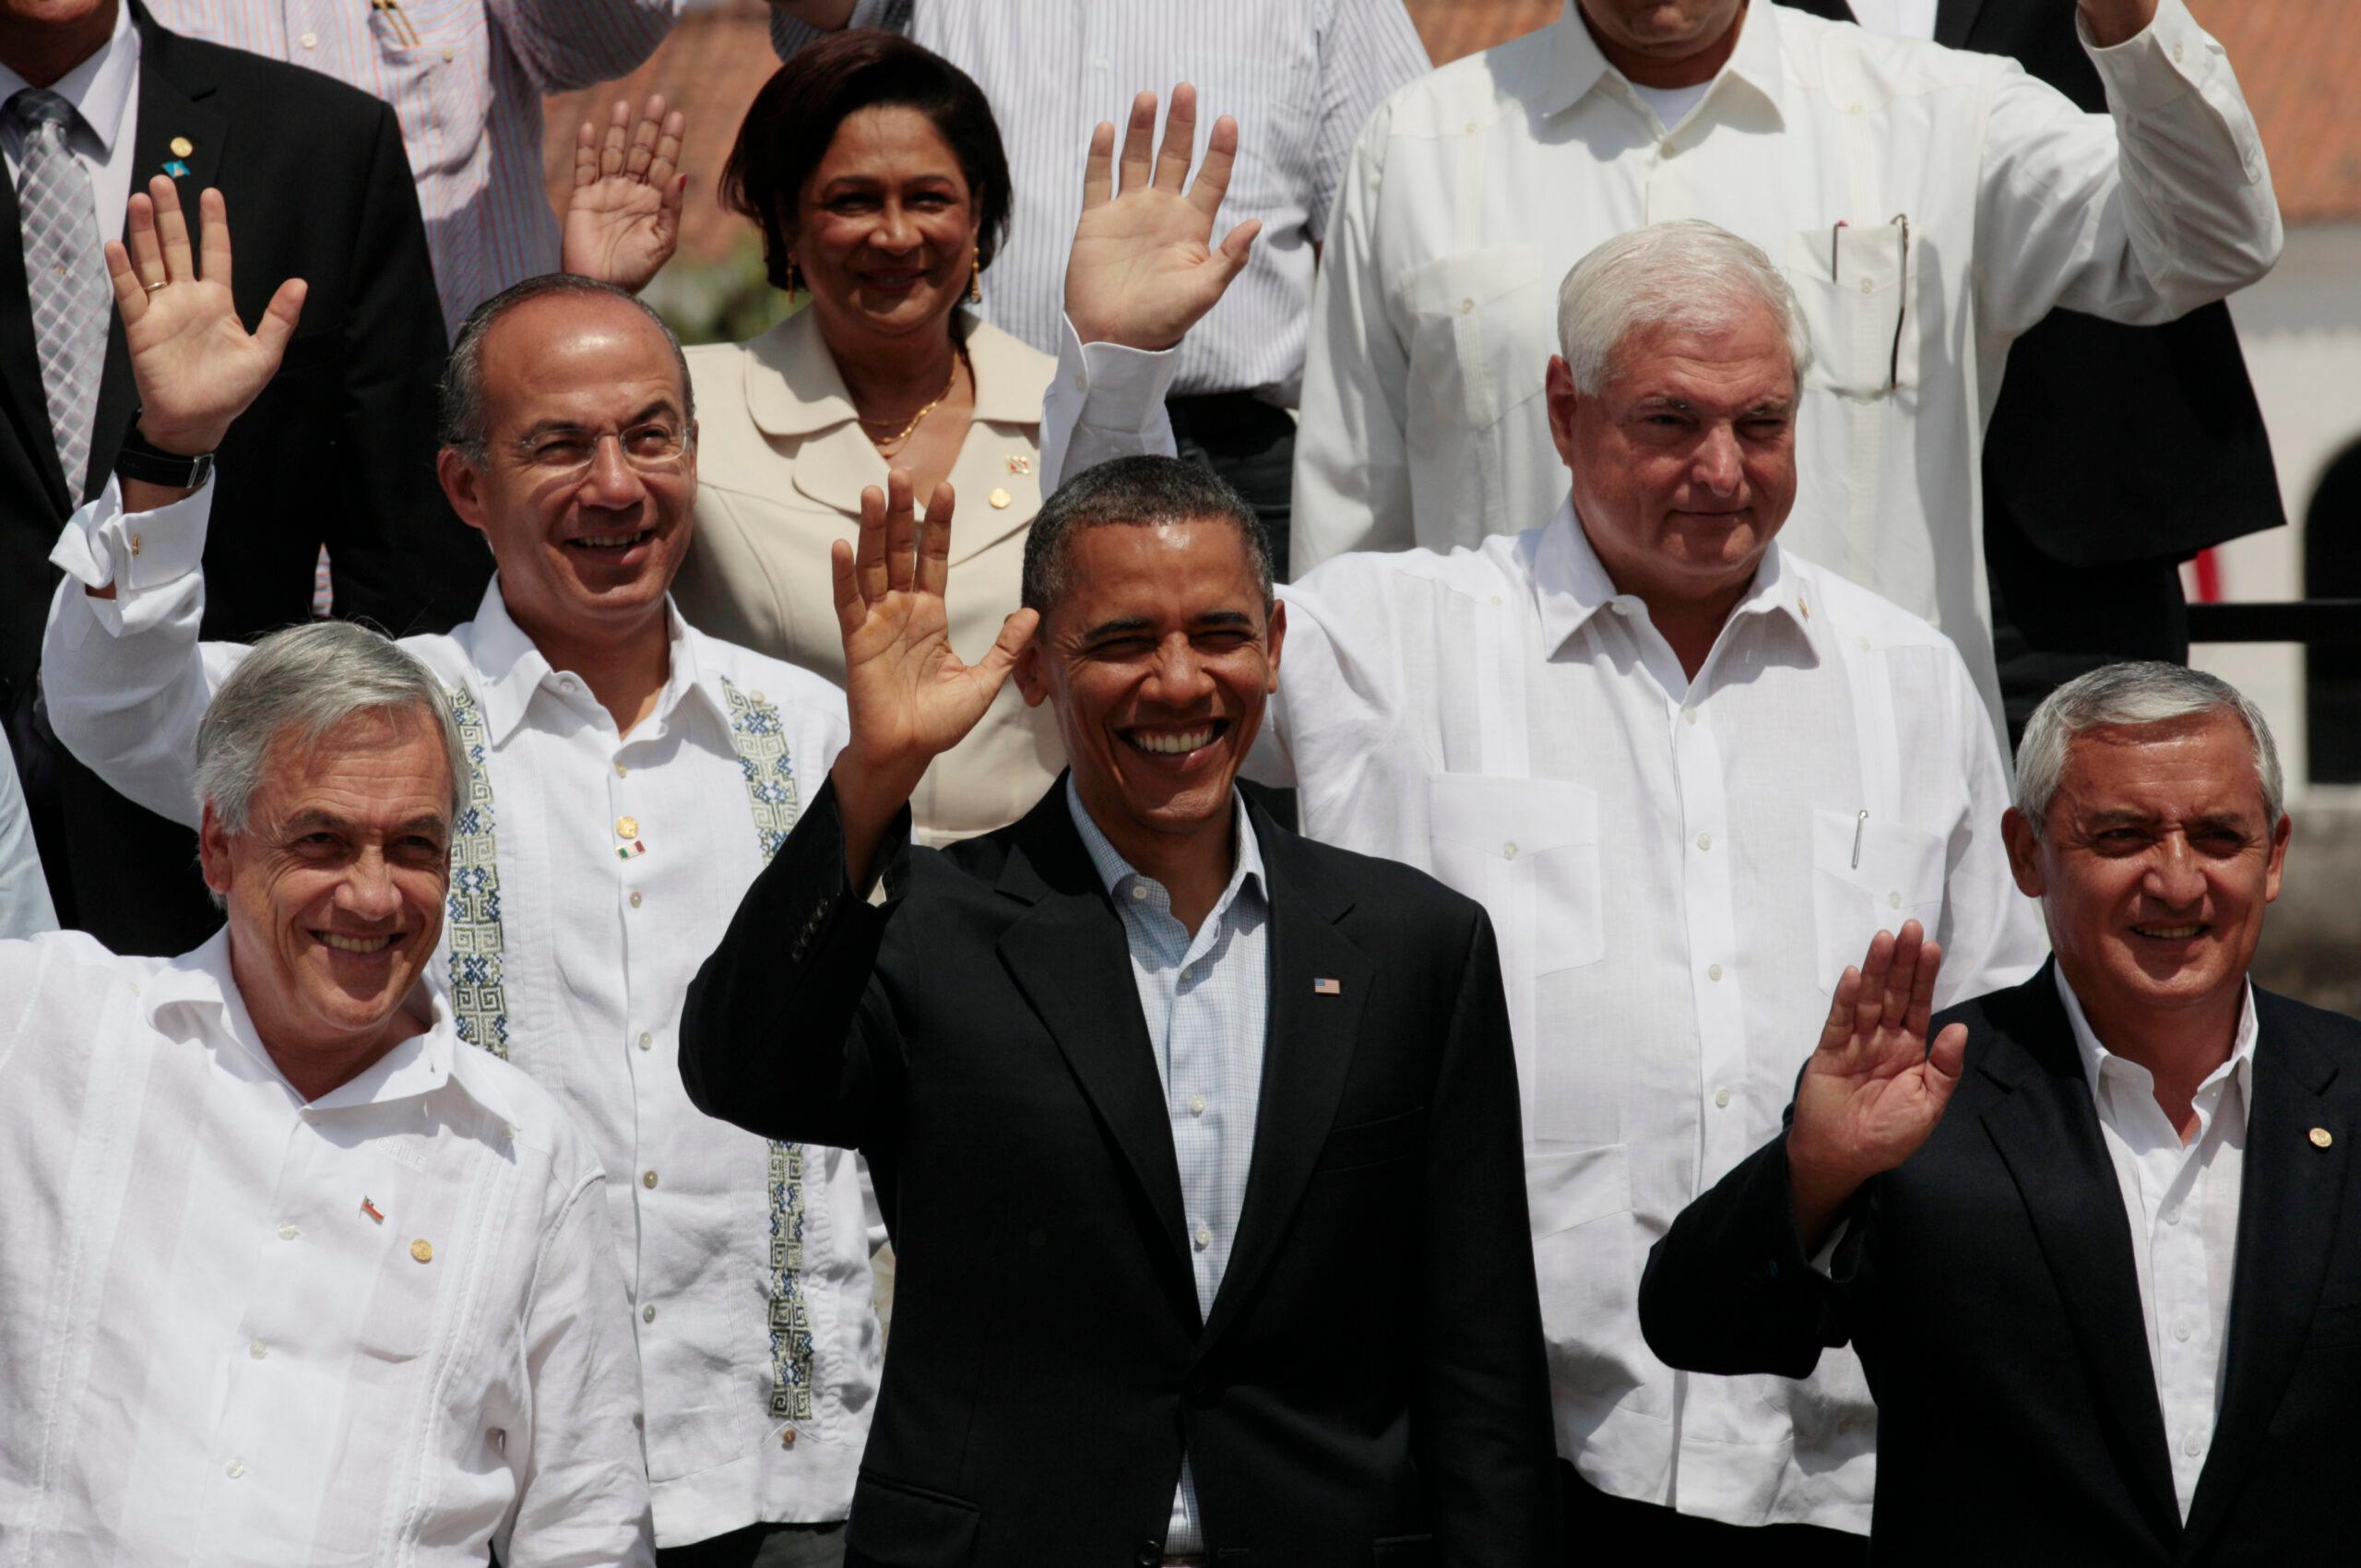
[[652, 450]]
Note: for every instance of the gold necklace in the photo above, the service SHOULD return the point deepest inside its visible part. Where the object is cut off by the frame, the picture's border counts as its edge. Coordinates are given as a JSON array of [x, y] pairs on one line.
[[894, 443]]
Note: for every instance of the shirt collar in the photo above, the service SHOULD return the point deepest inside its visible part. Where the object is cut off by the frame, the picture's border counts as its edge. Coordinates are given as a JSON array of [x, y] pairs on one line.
[[1114, 870], [512, 669], [202, 982], [2095, 1055], [100, 89], [1570, 585], [793, 386], [1574, 64]]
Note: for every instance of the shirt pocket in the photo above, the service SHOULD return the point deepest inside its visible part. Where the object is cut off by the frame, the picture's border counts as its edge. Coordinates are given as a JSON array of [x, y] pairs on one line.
[[1528, 850], [1896, 875], [1854, 284], [1580, 1205], [1473, 349], [1273, 99]]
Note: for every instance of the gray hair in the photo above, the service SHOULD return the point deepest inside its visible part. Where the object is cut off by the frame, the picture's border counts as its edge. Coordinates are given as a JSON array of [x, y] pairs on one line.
[[2132, 694], [299, 684], [1138, 491], [463, 421], [1687, 274]]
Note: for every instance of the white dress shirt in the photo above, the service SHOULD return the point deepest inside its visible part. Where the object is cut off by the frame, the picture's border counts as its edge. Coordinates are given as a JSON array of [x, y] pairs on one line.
[[466, 79], [384, 1327], [1206, 1001], [25, 909], [1299, 76], [1678, 872], [2182, 1203], [104, 92], [1436, 313], [599, 949], [1897, 18]]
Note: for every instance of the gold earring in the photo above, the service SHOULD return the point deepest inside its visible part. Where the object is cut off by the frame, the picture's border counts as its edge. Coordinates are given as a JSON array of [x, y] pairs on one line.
[[790, 275], [976, 279]]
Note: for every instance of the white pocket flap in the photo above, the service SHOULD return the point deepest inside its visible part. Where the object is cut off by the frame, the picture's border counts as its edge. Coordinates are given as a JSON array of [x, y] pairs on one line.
[[1509, 817], [1570, 1187]]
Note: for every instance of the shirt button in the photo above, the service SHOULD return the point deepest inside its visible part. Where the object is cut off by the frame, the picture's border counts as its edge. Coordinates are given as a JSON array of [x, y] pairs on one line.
[[234, 1468], [1689, 716], [648, 1178], [646, 1041], [621, 772], [1196, 1105], [1508, 851], [2181, 1331], [257, 1349], [1868, 286], [1704, 840], [1101, 65], [566, 686], [1852, 109], [135, 538], [310, 41], [1864, 644], [1893, 899], [1468, 307], [648, 1315], [449, 56], [1713, 971], [1619, 607], [1189, 974], [2172, 1214], [1139, 892], [787, 1438], [2192, 1446], [2176, 49], [1205, 1237], [287, 1231], [635, 897], [1721, 1099]]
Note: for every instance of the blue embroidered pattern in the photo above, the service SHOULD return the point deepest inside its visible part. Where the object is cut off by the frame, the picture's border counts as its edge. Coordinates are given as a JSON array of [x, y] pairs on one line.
[[760, 739], [479, 1002]]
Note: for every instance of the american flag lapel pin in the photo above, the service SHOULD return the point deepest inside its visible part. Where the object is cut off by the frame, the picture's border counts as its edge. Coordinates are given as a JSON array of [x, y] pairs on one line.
[[1327, 987]]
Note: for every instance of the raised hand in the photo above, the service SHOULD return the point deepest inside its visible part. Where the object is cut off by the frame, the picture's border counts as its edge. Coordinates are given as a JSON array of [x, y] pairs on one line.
[[1143, 270], [909, 696], [1874, 1089], [623, 221], [195, 365]]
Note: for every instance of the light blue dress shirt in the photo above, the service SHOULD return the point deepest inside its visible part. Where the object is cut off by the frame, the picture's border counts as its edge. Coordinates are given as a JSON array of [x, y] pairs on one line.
[[1207, 1003]]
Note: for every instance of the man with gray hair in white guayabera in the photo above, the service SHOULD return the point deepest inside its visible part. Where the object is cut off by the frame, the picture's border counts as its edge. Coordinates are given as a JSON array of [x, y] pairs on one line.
[[1690, 775], [294, 1277]]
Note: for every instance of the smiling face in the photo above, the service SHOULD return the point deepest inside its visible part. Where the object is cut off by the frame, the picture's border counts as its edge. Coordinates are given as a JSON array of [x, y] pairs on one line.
[[1158, 660], [2154, 868], [885, 229], [588, 517], [335, 887], [1684, 462]]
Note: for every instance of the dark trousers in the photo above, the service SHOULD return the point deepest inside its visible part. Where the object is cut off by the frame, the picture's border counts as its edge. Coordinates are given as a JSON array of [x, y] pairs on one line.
[[1599, 1527], [1250, 444], [762, 1546]]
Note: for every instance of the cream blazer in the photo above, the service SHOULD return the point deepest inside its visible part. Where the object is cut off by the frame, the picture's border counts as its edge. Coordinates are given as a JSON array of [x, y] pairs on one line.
[[781, 463]]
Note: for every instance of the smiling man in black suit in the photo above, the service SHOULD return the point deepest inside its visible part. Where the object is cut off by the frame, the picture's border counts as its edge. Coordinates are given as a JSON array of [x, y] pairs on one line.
[[1199, 1141], [2096, 1244], [338, 450]]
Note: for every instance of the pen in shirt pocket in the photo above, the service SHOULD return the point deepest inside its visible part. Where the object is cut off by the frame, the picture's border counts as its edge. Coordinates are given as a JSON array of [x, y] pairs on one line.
[[404, 30]]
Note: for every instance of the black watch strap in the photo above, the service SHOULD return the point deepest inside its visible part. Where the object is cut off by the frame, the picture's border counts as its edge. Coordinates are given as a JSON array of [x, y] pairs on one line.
[[142, 459]]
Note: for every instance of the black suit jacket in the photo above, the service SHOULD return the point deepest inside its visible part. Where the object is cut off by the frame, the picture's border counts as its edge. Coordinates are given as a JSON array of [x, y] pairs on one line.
[[1368, 1386], [1989, 1287], [338, 450]]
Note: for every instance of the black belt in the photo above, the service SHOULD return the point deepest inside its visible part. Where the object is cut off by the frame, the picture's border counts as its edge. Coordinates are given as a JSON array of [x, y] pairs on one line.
[[1215, 415]]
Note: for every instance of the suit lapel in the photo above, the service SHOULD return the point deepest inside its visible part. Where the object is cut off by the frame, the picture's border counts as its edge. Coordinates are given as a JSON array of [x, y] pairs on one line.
[[2292, 1195], [168, 112], [1954, 20], [2046, 1130], [1308, 1047], [1070, 958]]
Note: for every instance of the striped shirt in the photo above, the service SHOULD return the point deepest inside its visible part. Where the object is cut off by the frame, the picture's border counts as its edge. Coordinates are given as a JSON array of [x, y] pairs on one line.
[[466, 79], [1206, 1001], [1300, 76]]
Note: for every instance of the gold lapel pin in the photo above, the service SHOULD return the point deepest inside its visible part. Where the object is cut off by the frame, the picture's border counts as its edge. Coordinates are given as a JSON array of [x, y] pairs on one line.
[[182, 147], [1000, 498], [2321, 1138], [422, 1250]]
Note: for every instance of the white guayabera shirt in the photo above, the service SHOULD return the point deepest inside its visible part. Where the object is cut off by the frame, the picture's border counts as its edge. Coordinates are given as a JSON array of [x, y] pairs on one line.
[[1679, 871], [1928, 206], [241, 1330]]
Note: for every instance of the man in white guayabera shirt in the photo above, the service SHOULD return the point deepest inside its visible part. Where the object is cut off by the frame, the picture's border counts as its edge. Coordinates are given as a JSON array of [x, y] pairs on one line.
[[634, 775], [294, 1276], [1689, 774]]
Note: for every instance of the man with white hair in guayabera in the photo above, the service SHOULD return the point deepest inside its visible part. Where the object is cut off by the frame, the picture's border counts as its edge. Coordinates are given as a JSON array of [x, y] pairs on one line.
[[292, 1276], [1690, 775]]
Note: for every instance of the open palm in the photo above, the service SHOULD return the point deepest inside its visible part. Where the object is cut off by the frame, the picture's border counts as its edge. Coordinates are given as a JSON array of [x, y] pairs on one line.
[[1144, 269], [1874, 1089], [195, 365], [623, 222], [909, 696]]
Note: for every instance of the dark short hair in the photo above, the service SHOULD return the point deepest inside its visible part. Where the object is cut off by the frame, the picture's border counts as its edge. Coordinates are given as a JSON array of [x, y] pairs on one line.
[[462, 421], [794, 118], [1141, 492]]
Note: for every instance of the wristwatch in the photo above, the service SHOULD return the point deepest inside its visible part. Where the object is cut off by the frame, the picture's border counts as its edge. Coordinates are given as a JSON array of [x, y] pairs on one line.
[[143, 459]]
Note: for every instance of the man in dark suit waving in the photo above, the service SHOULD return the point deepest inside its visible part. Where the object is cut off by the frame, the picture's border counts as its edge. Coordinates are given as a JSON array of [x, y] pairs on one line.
[[1199, 1142], [2098, 1244]]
